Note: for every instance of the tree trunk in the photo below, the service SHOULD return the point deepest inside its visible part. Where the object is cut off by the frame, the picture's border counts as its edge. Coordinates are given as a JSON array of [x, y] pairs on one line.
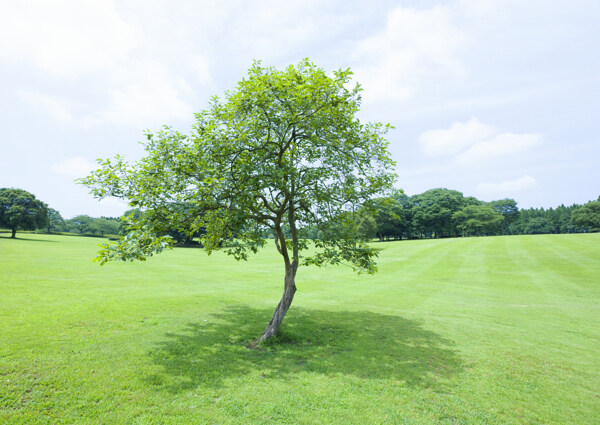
[[14, 234], [283, 306]]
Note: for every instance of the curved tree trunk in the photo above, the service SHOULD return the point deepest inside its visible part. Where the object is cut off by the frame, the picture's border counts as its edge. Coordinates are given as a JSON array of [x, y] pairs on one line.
[[283, 306]]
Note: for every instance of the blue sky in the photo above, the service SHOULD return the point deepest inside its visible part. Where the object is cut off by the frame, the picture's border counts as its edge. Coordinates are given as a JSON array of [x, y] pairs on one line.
[[493, 98]]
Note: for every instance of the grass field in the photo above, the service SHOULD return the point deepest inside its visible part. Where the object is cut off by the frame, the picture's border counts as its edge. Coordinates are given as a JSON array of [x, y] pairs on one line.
[[499, 330]]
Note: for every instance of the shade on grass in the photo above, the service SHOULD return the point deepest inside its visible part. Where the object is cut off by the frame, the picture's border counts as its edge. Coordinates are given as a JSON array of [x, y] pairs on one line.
[[477, 330]]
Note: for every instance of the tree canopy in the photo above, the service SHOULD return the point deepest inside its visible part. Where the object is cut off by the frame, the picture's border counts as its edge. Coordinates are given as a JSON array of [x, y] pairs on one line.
[[509, 210], [81, 223], [284, 149], [588, 215], [55, 220], [477, 220], [20, 210]]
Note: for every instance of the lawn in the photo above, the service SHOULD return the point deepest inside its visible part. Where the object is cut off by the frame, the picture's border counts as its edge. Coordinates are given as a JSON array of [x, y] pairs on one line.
[[498, 330]]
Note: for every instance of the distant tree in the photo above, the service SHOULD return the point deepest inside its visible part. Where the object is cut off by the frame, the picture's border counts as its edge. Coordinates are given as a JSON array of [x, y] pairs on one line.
[[544, 221], [80, 223], [185, 212], [509, 210], [433, 210], [20, 210], [55, 220], [538, 226], [563, 220], [103, 225], [284, 148], [588, 215], [388, 218], [478, 220]]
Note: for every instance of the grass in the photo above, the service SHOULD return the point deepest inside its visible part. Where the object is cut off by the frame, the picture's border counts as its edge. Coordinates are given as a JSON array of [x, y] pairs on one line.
[[500, 330]]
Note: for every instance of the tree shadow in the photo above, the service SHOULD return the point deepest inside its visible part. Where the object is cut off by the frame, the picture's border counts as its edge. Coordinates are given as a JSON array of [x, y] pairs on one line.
[[362, 344], [21, 239]]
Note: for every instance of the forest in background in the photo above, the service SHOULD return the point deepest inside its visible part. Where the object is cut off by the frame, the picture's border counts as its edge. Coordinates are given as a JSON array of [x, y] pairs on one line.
[[436, 213]]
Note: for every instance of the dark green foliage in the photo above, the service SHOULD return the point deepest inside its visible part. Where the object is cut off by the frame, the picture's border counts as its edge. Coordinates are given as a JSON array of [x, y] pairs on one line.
[[551, 220], [86, 225], [433, 210], [393, 217], [588, 215], [478, 220], [509, 210], [55, 221], [104, 225], [81, 223], [446, 213], [20, 210], [538, 226]]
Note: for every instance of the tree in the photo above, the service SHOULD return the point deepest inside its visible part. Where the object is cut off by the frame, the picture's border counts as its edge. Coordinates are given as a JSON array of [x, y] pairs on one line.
[[509, 210], [393, 216], [477, 220], [283, 149], [433, 209], [387, 217], [20, 209], [538, 226], [103, 225], [81, 223], [55, 220], [588, 215]]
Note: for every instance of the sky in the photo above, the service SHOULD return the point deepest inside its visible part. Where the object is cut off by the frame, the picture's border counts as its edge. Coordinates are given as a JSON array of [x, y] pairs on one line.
[[494, 98]]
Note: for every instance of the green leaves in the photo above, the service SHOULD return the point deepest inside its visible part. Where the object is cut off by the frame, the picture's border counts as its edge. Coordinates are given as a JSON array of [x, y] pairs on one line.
[[283, 149], [587, 215], [20, 209], [137, 244]]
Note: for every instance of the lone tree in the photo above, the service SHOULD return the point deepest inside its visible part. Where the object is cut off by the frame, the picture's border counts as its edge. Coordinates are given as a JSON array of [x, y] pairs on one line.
[[283, 150], [20, 209]]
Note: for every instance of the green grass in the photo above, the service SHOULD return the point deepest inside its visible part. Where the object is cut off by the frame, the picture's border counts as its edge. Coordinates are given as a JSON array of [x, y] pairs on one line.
[[500, 330]]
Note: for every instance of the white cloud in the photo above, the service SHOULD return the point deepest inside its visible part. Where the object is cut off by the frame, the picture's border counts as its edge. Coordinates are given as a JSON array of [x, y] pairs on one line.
[[415, 46], [74, 167], [65, 37], [456, 138], [474, 142], [153, 99], [48, 104], [201, 68], [501, 145], [507, 187]]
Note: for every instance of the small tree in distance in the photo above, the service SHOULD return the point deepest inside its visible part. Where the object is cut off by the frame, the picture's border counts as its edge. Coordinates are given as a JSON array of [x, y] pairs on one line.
[[55, 220], [20, 209], [283, 150]]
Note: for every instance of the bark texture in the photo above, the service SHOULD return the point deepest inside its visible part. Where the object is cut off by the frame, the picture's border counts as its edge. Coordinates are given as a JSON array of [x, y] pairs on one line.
[[283, 306]]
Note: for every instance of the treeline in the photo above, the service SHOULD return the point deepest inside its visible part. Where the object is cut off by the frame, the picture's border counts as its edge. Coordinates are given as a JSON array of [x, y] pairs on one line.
[[442, 213], [436, 213], [108, 226], [83, 224]]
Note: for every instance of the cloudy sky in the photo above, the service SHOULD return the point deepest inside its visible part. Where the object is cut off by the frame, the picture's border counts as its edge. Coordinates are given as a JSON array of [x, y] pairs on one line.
[[493, 98]]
